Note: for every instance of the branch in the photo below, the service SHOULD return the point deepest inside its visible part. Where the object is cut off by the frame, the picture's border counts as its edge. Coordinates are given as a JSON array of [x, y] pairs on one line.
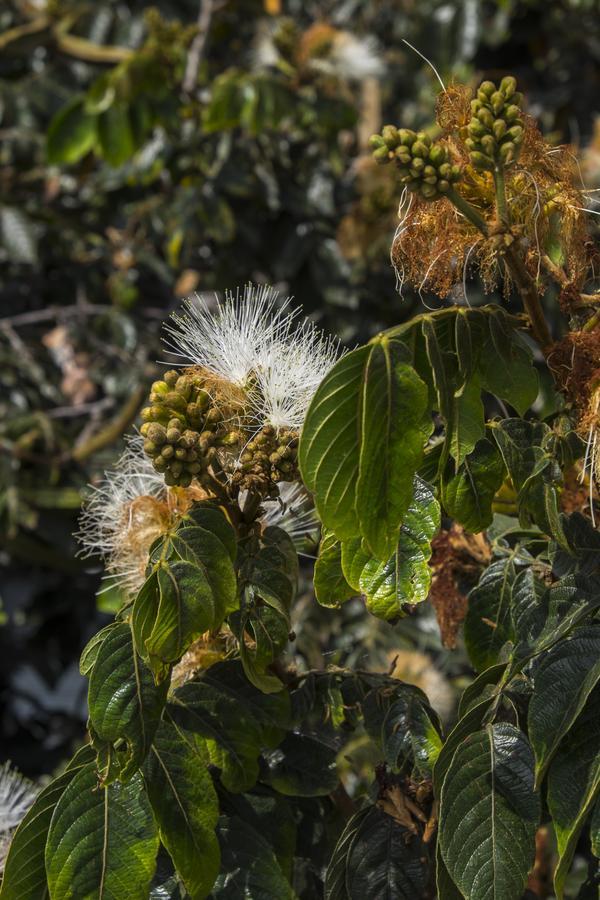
[[529, 294], [197, 46], [114, 429]]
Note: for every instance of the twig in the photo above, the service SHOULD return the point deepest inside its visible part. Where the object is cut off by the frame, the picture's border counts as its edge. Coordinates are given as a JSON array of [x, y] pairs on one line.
[[197, 46], [529, 294], [114, 429]]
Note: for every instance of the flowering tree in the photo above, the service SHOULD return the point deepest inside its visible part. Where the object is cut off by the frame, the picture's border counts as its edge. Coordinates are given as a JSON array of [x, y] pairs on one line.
[[211, 764]]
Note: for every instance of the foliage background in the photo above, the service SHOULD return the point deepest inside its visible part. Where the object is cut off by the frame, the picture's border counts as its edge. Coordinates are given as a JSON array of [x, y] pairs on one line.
[[145, 190]]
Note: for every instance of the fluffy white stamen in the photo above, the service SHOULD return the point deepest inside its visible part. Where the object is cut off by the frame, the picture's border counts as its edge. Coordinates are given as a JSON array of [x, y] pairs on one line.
[[294, 512], [112, 525], [229, 339], [17, 794]]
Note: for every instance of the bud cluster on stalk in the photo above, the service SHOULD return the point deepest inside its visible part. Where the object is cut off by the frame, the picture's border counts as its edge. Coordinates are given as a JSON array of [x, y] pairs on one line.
[[424, 165], [183, 427], [495, 132], [269, 458]]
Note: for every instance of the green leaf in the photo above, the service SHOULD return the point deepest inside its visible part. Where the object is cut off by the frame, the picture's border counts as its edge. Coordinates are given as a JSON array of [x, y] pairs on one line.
[[214, 521], [185, 805], [226, 103], [406, 576], [166, 622], [124, 702], [102, 842], [115, 134], [574, 784], [562, 683], [395, 425], [506, 365], [331, 588], [489, 813], [24, 876], [469, 722], [208, 553], [468, 424], [71, 134], [89, 654], [272, 816], [488, 623], [595, 830], [330, 444], [302, 766], [469, 494], [405, 727], [235, 718], [446, 889], [376, 857], [249, 866]]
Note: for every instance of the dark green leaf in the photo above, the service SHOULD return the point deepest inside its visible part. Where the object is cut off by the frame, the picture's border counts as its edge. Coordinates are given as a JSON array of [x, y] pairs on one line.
[[489, 813], [488, 624], [469, 494], [249, 867], [331, 588], [235, 718], [406, 577], [330, 444], [24, 876], [376, 857], [115, 134], [185, 805], [208, 553], [124, 701], [565, 678], [574, 784], [302, 766], [102, 842], [395, 425], [72, 133]]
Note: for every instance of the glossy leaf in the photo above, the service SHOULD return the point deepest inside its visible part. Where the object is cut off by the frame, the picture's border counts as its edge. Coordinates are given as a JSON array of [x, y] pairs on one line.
[[331, 587], [562, 683], [489, 813], [24, 876], [406, 576], [395, 425], [302, 766], [71, 134], [488, 624], [102, 842], [574, 784], [124, 701], [185, 805], [249, 866], [330, 444], [468, 495], [235, 718], [377, 857]]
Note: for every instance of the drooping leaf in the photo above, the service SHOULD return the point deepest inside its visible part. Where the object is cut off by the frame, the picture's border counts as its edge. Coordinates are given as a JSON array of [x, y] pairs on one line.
[[116, 137], [488, 623], [406, 576], [562, 683], [405, 727], [395, 425], [331, 588], [124, 701], [185, 805], [102, 841], [249, 866], [574, 784], [71, 134], [24, 876], [506, 364], [377, 857], [330, 444], [236, 720], [468, 495], [302, 766], [489, 813]]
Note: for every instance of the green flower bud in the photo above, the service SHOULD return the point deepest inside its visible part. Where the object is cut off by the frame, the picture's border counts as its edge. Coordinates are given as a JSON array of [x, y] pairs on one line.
[[424, 138], [376, 141], [515, 133], [488, 145], [485, 116], [508, 86], [418, 165], [155, 433], [443, 186], [381, 155], [420, 149], [428, 191], [407, 137], [497, 102], [480, 161], [507, 152], [171, 377], [437, 155], [512, 113], [487, 88], [160, 464], [168, 451], [499, 129], [390, 136], [173, 435], [476, 128], [150, 448]]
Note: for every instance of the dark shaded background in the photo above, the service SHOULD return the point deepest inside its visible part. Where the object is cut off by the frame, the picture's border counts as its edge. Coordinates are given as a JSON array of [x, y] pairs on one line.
[[122, 188]]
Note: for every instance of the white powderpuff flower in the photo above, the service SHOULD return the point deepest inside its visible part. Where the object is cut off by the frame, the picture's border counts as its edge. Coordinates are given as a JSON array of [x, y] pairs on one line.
[[292, 511], [17, 794], [351, 58], [289, 372], [229, 340], [124, 514]]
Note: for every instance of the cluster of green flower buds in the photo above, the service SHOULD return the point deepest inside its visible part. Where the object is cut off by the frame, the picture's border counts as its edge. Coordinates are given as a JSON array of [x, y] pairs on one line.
[[423, 164], [496, 127], [182, 427], [270, 457]]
